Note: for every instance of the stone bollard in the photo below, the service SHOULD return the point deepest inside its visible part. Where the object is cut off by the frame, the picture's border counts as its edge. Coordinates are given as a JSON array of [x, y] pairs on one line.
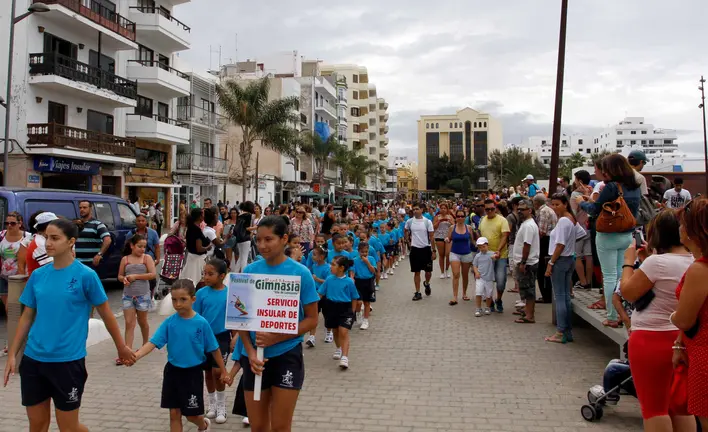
[[15, 287]]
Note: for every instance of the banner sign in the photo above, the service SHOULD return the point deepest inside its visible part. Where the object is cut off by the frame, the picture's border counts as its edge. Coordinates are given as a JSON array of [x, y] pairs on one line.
[[266, 303], [64, 165]]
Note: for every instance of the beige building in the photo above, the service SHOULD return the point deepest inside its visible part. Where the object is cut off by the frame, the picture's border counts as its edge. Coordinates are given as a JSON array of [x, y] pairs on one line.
[[366, 119], [465, 135]]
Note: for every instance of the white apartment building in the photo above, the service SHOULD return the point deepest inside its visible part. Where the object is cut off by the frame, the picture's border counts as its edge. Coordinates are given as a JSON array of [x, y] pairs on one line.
[[94, 95], [630, 133]]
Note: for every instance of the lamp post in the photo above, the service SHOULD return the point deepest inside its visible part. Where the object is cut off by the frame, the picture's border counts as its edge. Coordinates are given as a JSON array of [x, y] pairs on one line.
[[558, 114], [34, 8], [702, 106]]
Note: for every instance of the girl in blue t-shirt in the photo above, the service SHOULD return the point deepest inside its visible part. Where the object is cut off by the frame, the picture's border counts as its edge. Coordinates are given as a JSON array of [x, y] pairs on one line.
[[211, 304], [284, 373], [58, 298], [320, 272], [373, 251], [341, 295], [188, 337], [364, 273]]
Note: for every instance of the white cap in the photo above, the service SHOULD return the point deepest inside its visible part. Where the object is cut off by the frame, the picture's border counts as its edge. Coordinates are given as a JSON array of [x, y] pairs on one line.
[[45, 217], [529, 177], [482, 240]]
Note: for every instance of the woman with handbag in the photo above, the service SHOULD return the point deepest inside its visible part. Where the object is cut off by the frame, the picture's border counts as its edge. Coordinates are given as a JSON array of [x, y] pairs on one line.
[[229, 238], [651, 288], [691, 316], [243, 236], [197, 246], [616, 209]]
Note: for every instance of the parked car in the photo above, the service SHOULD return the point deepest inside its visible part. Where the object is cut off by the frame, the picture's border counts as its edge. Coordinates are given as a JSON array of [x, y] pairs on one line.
[[116, 213]]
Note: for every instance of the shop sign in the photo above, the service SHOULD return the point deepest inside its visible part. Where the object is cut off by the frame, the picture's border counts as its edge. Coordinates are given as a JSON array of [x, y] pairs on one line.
[[262, 184], [32, 178], [64, 165]]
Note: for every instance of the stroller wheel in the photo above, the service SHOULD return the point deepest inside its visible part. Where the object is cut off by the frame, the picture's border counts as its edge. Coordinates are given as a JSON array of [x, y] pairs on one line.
[[588, 412]]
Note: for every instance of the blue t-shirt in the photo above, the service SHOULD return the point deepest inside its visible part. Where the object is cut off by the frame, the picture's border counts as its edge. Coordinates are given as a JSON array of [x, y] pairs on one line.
[[386, 239], [428, 216], [332, 254], [361, 270], [330, 246], [238, 348], [308, 295], [188, 340], [376, 244], [322, 271], [153, 240], [63, 299], [257, 258], [339, 290], [533, 190], [211, 304]]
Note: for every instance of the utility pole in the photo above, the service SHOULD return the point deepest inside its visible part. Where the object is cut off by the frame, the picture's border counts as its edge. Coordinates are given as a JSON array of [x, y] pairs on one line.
[[557, 116], [257, 178], [705, 141]]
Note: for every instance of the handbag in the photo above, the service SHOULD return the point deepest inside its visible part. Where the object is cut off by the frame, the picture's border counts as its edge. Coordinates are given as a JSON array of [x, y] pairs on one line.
[[240, 232], [615, 216], [678, 403]]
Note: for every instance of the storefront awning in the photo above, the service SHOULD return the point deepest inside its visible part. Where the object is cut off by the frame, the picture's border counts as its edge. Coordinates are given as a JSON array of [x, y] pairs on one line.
[[154, 185]]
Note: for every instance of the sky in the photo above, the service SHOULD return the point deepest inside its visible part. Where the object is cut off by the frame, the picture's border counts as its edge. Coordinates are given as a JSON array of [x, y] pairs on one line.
[[623, 57]]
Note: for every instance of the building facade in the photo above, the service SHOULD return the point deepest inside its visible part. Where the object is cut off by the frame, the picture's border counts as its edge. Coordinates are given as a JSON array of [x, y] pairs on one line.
[[466, 135]]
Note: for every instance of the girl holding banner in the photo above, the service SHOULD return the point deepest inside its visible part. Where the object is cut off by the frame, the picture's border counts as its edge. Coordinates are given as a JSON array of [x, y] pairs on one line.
[[284, 373]]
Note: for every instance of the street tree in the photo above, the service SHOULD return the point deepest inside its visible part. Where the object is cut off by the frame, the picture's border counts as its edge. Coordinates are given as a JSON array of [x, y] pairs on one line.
[[512, 165], [321, 150], [596, 157], [576, 160], [269, 122], [359, 167]]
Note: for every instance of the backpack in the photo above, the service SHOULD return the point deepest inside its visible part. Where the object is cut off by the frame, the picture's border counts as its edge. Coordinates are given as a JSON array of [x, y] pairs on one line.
[[615, 216], [647, 210]]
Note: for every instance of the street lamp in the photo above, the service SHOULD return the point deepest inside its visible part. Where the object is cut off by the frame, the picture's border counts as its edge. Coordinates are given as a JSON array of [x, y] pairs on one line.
[[557, 115], [705, 141], [34, 8]]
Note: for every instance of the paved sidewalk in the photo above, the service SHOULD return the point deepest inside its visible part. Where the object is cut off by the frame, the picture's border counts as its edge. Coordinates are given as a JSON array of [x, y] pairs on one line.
[[422, 366]]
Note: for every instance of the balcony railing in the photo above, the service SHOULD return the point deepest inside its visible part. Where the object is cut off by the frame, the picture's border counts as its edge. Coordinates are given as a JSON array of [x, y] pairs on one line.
[[54, 135], [53, 63], [99, 14], [161, 119], [202, 116], [154, 63], [197, 162], [164, 13]]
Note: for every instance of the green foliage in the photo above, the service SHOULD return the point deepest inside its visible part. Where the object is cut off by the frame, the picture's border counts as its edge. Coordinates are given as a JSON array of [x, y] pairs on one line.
[[321, 150], [575, 160], [466, 186], [359, 167], [512, 165], [441, 170], [596, 157], [260, 119], [454, 184]]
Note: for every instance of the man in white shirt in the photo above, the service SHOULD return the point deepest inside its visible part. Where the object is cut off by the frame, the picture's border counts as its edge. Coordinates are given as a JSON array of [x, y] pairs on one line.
[[678, 196], [637, 159], [419, 231], [527, 251]]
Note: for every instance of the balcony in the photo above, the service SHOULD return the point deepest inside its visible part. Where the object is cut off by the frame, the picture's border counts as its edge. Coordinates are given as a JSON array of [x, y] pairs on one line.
[[159, 79], [67, 75], [92, 16], [61, 140], [165, 32], [157, 129], [342, 99], [323, 108], [201, 164], [201, 118], [383, 130]]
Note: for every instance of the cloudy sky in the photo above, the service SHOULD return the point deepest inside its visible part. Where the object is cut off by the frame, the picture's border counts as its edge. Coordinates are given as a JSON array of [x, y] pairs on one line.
[[624, 57]]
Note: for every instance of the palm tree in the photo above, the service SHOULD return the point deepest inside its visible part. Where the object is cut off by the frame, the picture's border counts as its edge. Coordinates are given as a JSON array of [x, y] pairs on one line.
[[575, 160], [321, 150], [596, 157], [512, 165], [359, 168], [269, 122], [342, 158]]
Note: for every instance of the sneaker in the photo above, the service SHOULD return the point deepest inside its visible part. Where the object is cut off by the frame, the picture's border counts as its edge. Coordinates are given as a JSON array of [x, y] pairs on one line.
[[364, 324], [384, 276], [310, 342], [500, 306], [448, 275], [578, 286], [417, 296], [344, 362], [377, 287], [478, 313], [211, 409], [208, 425], [488, 311], [329, 337], [428, 291], [221, 414], [245, 421], [390, 271], [442, 276], [520, 303], [337, 354], [491, 308]]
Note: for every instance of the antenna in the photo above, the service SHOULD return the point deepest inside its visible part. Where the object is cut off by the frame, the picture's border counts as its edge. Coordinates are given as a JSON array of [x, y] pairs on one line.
[[236, 40]]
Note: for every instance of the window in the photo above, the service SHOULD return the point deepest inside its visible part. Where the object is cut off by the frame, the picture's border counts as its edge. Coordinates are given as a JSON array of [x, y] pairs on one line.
[[668, 141], [588, 151], [164, 62], [564, 142], [356, 128], [644, 132], [208, 106], [619, 132], [163, 112], [150, 159], [475, 124], [632, 142], [545, 161], [651, 141], [619, 142], [632, 132], [99, 122], [543, 142], [485, 124], [355, 95], [60, 208], [102, 211], [450, 125], [355, 78], [580, 142], [144, 107], [580, 150], [437, 125], [145, 54], [355, 111], [644, 141], [127, 216], [56, 113], [107, 63], [427, 125]]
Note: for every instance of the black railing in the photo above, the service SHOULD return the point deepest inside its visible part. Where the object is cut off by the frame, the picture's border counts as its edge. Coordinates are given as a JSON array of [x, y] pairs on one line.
[[155, 63], [197, 162], [201, 116], [99, 14], [164, 13], [53, 63], [60, 136], [161, 119]]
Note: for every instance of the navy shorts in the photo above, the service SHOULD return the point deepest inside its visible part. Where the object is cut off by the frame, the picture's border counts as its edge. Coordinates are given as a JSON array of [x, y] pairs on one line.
[[286, 371], [183, 389], [63, 382], [339, 314], [224, 340]]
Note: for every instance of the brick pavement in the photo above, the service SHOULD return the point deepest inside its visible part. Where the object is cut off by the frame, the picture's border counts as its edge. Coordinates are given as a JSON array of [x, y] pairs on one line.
[[422, 366]]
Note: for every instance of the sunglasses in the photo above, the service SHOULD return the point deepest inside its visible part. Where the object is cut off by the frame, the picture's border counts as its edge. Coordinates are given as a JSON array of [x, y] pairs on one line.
[[489, 209], [524, 209], [460, 216], [11, 223]]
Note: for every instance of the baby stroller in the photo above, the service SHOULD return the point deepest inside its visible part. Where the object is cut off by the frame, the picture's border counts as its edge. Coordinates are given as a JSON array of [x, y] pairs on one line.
[[616, 381], [175, 249]]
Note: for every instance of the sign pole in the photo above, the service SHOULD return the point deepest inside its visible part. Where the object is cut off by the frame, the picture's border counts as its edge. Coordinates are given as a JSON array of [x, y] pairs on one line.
[[259, 378]]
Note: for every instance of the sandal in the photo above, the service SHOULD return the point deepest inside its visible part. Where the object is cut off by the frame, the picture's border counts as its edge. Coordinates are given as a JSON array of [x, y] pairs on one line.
[[519, 312], [513, 290], [598, 305], [452, 302], [612, 324], [556, 338], [524, 320], [119, 362], [465, 298]]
